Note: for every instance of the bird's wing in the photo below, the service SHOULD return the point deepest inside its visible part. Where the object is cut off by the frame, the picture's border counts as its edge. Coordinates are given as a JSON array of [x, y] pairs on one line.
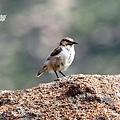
[[55, 52]]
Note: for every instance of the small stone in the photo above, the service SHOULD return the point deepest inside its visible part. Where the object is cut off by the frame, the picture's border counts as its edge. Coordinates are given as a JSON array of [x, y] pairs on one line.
[[118, 95]]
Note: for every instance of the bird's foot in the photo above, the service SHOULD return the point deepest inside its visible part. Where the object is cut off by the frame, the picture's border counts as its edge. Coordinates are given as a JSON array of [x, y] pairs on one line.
[[58, 79]]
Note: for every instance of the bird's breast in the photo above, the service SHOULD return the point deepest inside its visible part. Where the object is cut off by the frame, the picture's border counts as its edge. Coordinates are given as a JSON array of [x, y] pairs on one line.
[[67, 56], [62, 60]]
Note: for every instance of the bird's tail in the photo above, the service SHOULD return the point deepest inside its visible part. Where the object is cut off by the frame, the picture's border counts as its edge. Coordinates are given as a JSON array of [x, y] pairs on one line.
[[44, 69]]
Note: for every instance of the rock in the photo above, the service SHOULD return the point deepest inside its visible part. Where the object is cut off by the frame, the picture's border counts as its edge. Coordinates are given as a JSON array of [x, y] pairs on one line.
[[75, 97]]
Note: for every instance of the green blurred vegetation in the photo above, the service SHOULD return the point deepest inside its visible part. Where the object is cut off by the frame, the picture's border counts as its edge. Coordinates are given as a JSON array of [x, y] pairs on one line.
[[33, 28]]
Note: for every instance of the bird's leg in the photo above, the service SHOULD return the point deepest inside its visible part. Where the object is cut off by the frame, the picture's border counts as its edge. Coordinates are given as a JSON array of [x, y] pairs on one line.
[[62, 73], [56, 74]]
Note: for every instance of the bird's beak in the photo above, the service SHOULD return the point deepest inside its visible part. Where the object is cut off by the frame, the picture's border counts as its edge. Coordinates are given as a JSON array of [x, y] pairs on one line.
[[75, 43]]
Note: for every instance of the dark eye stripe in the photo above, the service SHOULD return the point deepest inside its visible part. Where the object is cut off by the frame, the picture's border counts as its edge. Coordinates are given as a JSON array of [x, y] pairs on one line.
[[69, 44], [67, 40]]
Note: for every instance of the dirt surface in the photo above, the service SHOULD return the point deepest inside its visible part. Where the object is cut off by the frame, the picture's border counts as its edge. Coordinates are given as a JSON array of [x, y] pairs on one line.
[[77, 97]]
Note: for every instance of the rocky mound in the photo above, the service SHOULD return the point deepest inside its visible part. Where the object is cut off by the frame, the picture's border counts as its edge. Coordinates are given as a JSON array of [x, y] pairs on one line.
[[77, 97]]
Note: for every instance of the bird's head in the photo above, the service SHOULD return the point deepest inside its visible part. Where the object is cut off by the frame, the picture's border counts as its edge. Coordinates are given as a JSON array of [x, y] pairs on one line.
[[67, 42]]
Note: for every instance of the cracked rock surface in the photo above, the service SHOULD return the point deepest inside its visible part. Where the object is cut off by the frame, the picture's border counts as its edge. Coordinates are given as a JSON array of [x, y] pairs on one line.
[[75, 97]]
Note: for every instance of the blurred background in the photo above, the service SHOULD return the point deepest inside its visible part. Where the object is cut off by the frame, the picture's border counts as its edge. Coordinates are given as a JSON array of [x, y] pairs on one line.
[[34, 28]]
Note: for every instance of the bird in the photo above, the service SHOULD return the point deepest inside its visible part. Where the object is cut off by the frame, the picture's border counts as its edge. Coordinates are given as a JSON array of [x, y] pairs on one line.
[[60, 59]]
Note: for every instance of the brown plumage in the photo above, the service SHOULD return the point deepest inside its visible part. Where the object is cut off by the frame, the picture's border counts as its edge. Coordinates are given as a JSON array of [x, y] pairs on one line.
[[61, 58], [44, 69]]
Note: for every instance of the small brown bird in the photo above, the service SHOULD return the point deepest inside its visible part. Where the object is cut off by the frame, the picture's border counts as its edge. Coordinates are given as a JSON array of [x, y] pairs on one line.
[[61, 58]]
